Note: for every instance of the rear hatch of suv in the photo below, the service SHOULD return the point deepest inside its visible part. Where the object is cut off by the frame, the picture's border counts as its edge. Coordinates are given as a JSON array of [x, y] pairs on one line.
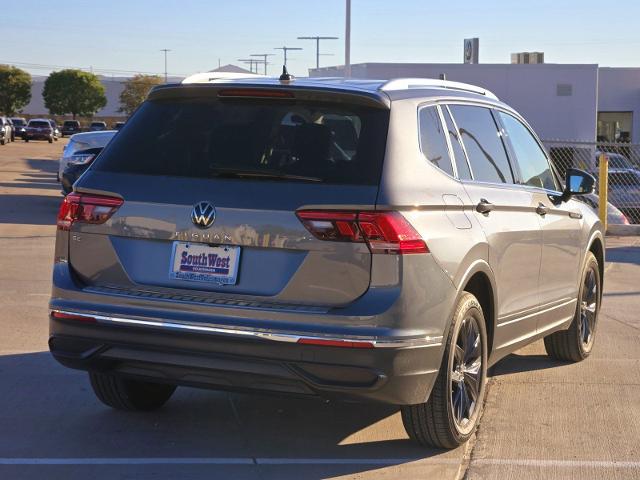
[[201, 192]]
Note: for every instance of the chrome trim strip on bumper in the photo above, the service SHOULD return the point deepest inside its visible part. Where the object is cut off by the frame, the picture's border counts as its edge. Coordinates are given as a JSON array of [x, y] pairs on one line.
[[273, 336]]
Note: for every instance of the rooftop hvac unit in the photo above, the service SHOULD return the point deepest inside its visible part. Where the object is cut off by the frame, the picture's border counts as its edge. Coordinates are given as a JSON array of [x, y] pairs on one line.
[[527, 57]]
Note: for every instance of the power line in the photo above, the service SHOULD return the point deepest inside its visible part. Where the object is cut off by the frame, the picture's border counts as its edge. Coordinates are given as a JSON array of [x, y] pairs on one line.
[[317, 39], [285, 50]]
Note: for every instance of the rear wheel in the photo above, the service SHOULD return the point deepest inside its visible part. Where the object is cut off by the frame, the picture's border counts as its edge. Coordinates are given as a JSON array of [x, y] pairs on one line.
[[451, 414], [26, 140], [129, 394], [576, 343], [50, 140]]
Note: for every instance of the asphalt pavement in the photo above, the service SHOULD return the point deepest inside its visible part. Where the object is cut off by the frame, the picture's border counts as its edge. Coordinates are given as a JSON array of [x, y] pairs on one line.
[[543, 419]]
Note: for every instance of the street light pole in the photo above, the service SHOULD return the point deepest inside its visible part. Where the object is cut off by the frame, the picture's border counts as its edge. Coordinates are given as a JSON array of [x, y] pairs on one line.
[[285, 50], [165, 50], [317, 39], [264, 56], [347, 41]]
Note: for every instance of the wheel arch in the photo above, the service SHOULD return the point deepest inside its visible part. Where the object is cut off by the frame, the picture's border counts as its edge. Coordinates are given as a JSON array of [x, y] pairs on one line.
[[479, 281]]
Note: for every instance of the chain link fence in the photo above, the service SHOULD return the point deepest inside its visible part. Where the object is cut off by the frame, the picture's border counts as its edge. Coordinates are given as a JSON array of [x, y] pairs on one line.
[[624, 173]]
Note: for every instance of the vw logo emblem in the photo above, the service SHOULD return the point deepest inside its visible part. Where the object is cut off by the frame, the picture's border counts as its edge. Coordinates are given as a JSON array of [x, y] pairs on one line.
[[203, 214]]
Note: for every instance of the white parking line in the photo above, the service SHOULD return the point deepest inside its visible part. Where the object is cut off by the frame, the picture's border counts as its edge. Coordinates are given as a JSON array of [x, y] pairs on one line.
[[220, 461], [557, 463]]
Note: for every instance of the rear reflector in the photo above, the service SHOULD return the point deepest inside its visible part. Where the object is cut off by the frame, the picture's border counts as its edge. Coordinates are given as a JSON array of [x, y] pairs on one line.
[[254, 93], [335, 343], [73, 316], [83, 208], [384, 232]]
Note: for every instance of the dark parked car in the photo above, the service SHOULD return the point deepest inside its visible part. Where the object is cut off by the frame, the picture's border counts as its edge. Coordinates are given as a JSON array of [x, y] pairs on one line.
[[77, 164], [71, 127], [19, 124], [97, 126], [118, 125], [38, 129]]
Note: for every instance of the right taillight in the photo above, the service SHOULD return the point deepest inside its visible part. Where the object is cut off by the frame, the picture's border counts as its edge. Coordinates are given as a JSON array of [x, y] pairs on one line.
[[82, 208], [383, 232]]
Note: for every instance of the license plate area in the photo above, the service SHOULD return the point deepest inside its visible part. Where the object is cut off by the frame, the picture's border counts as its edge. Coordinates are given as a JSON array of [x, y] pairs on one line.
[[199, 262]]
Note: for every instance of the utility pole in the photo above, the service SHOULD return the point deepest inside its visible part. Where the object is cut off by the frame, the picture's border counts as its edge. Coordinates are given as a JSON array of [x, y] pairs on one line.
[[347, 41], [165, 50], [285, 50], [317, 39], [264, 56], [251, 62]]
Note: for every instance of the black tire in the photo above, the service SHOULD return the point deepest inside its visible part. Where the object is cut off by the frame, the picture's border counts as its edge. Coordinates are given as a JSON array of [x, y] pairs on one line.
[[128, 394], [26, 140], [2, 142], [50, 140], [435, 423], [575, 343]]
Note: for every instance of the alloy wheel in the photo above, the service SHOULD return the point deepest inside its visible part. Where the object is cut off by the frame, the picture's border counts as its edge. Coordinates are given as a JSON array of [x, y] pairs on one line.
[[467, 373]]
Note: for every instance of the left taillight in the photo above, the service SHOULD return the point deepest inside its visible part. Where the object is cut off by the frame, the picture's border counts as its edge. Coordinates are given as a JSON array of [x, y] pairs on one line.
[[81, 208], [384, 232]]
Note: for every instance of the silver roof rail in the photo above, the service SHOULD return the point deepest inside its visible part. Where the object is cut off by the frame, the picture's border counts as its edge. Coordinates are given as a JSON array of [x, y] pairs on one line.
[[408, 83]]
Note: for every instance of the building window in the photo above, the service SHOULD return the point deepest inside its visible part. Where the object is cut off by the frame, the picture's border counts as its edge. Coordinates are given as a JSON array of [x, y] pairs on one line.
[[615, 126]]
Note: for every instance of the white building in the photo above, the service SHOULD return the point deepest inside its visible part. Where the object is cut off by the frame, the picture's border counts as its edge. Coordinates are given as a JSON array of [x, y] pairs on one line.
[[561, 101]]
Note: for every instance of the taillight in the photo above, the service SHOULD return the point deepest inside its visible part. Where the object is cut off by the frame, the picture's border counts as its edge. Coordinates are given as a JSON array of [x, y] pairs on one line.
[[82, 208], [384, 232], [335, 343]]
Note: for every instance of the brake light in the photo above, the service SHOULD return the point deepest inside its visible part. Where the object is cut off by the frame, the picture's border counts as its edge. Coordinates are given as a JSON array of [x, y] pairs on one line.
[[73, 316], [384, 232], [254, 93], [95, 209]]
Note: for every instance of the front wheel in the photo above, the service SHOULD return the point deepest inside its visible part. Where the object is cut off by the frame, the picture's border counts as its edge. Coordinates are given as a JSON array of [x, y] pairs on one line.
[[576, 343], [128, 394], [453, 410]]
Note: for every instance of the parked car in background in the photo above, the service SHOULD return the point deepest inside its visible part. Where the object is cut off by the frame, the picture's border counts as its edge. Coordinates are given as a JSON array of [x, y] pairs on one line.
[[13, 129], [383, 241], [6, 130], [19, 123], [77, 164], [624, 192], [56, 131], [118, 125], [82, 141], [70, 127], [616, 161], [38, 129], [614, 216], [97, 126]]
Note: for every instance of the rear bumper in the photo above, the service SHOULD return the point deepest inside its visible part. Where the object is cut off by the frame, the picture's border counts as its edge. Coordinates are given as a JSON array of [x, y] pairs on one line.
[[397, 371]]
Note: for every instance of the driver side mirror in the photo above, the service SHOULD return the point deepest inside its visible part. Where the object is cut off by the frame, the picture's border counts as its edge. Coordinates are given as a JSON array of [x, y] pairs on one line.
[[577, 183]]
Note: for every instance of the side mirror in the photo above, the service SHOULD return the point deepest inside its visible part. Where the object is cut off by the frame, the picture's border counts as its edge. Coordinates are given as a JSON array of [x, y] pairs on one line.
[[577, 183]]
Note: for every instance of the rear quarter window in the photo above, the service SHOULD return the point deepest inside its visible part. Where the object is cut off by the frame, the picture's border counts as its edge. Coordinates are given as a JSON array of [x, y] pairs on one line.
[[433, 141], [332, 143]]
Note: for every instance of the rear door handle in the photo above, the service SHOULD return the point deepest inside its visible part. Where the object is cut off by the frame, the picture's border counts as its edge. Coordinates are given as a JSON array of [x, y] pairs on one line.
[[484, 207], [542, 209]]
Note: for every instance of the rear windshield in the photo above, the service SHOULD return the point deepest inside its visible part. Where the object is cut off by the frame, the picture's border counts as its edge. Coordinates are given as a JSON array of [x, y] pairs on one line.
[[18, 122], [98, 124], [39, 124], [70, 123], [332, 143]]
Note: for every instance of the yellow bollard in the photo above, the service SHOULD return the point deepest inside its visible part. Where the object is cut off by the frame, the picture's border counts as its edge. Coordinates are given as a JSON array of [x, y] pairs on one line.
[[603, 189]]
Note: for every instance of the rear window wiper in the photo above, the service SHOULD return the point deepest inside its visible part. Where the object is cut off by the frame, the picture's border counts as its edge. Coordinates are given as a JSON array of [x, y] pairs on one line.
[[267, 174]]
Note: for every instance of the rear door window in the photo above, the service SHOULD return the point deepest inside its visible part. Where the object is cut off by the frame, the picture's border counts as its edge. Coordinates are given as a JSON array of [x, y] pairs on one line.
[[532, 160], [433, 142], [481, 139], [201, 137], [458, 153]]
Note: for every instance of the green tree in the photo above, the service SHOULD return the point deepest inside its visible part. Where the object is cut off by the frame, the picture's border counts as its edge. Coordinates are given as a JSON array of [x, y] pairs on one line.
[[15, 89], [75, 92], [135, 91]]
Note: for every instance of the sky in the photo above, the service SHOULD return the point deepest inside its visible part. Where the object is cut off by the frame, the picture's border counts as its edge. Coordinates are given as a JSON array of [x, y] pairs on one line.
[[119, 37]]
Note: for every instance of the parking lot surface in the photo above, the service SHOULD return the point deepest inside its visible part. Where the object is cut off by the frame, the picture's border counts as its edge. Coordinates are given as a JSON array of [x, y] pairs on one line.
[[543, 419]]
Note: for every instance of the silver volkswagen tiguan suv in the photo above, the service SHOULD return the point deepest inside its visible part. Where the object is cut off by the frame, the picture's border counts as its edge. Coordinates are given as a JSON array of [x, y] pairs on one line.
[[369, 240]]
